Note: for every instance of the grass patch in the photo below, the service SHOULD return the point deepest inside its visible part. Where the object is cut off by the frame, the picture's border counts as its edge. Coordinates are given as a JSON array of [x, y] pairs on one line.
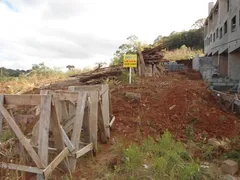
[[166, 159], [182, 53]]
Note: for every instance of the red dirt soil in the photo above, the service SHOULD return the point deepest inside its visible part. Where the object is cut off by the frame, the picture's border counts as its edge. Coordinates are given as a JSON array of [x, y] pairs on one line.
[[171, 102]]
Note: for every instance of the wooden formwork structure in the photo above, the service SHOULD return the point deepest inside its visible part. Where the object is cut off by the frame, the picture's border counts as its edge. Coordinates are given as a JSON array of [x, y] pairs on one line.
[[69, 122]]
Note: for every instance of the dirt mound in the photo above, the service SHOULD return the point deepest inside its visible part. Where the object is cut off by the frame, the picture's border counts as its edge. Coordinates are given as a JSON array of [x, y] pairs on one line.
[[172, 102]]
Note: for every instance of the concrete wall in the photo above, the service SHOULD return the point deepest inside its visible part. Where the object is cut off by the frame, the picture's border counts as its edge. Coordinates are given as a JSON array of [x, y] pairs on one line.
[[215, 62], [205, 66], [234, 65], [196, 64]]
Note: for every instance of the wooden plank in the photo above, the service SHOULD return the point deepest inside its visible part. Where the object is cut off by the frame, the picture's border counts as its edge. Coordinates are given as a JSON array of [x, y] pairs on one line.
[[106, 113], [142, 62], [24, 99], [44, 124], [101, 125], [85, 88], [1, 118], [19, 167], [49, 169], [66, 96], [57, 104], [56, 130], [64, 110], [93, 117], [67, 140], [86, 125], [84, 150], [112, 121], [21, 137], [110, 104], [35, 132], [77, 127]]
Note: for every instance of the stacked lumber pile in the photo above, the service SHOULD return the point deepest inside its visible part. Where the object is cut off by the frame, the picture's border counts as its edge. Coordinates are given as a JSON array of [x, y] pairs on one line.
[[99, 75], [154, 55], [150, 61]]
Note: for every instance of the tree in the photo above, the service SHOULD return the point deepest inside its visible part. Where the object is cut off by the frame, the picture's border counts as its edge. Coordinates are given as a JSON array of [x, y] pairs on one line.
[[70, 67], [199, 23]]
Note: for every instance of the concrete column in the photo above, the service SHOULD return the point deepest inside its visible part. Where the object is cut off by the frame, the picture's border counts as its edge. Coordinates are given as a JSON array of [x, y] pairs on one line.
[[223, 65], [215, 62], [234, 65]]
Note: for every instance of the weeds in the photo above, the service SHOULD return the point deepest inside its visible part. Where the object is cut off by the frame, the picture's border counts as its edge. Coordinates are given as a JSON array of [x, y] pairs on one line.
[[166, 159], [125, 77]]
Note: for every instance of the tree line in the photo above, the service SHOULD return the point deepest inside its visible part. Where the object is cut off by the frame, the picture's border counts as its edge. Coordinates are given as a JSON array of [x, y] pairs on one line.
[[192, 39]]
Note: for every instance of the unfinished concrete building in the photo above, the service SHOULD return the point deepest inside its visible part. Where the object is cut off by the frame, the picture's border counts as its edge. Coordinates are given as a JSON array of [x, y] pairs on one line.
[[222, 37]]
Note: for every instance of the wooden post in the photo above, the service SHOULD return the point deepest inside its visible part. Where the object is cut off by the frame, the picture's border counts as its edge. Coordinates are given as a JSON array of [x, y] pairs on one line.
[[44, 124], [101, 124], [93, 118], [86, 125], [141, 61], [105, 112], [1, 118], [77, 127]]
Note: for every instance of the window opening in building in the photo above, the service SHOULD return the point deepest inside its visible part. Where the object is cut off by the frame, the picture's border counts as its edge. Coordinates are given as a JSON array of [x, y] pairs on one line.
[[217, 33], [225, 27], [214, 36], [211, 38], [233, 23], [221, 32]]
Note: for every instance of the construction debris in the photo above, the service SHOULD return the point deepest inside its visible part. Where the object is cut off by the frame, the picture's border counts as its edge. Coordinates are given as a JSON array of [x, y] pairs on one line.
[[99, 75], [150, 61]]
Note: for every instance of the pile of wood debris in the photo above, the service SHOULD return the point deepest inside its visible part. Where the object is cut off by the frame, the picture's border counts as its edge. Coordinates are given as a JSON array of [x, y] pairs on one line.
[[154, 55], [150, 61], [99, 75]]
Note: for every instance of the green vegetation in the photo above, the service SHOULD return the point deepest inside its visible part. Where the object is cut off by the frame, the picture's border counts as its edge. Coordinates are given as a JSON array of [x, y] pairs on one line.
[[166, 159], [178, 45], [130, 47], [192, 39], [39, 75], [182, 53]]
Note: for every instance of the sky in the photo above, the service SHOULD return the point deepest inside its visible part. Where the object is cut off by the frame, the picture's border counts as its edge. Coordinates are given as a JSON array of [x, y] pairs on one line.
[[84, 32]]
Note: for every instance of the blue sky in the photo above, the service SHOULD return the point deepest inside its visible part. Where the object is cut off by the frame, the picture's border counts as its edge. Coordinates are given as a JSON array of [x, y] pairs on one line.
[[83, 32]]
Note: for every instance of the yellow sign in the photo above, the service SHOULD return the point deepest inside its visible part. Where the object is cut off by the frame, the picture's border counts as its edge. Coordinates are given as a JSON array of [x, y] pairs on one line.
[[130, 60]]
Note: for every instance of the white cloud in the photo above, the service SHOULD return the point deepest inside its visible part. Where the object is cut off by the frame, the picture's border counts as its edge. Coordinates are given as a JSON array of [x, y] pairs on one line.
[[83, 32]]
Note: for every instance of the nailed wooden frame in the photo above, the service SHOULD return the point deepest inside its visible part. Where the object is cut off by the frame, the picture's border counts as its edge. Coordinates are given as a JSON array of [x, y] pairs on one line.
[[105, 106], [60, 112], [47, 116]]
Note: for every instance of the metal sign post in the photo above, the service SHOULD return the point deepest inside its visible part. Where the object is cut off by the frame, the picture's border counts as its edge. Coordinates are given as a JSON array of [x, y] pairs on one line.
[[130, 61], [130, 75]]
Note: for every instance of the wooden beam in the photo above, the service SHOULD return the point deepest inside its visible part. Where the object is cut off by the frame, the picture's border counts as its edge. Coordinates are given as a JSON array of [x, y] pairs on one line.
[[21, 137], [66, 96], [77, 127], [49, 169], [44, 124], [56, 130], [86, 125], [19, 167], [93, 117], [1, 118], [64, 110], [67, 140], [24, 99], [35, 132], [84, 150], [106, 113], [112, 121], [101, 126]]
